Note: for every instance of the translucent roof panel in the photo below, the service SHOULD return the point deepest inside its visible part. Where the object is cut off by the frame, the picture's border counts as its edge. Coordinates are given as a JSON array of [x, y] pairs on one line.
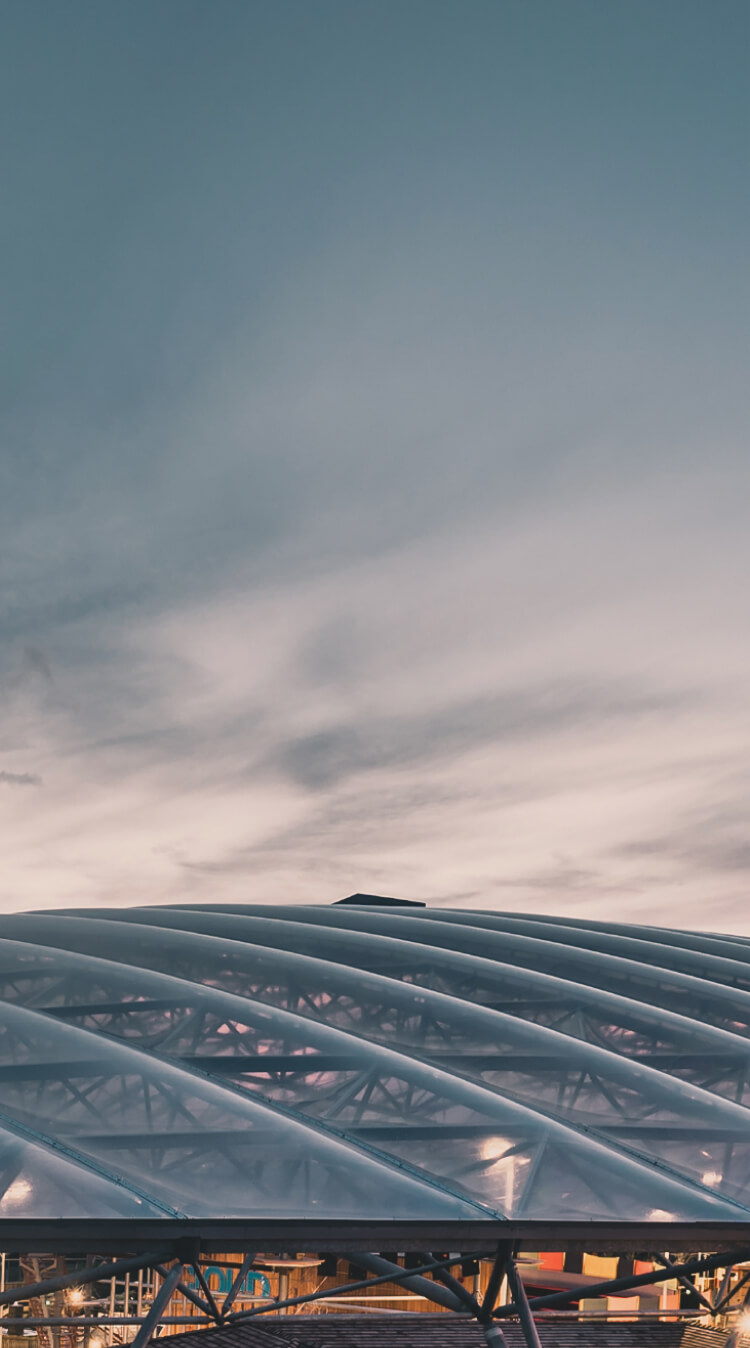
[[37, 1179], [351, 1062]]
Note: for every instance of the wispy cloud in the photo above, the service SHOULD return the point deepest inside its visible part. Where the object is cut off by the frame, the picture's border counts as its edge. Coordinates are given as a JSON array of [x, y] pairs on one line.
[[335, 728], [20, 779], [574, 708], [373, 478]]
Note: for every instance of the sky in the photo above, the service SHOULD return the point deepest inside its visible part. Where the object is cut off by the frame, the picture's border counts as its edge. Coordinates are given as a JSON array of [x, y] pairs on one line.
[[374, 474]]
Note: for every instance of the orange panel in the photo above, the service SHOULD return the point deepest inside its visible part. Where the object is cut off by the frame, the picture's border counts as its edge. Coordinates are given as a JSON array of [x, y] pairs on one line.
[[551, 1259]]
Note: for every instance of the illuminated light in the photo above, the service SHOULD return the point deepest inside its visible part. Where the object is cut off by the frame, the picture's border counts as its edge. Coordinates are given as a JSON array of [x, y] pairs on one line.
[[75, 1296], [660, 1215], [711, 1177], [502, 1161], [742, 1324], [494, 1148], [16, 1194]]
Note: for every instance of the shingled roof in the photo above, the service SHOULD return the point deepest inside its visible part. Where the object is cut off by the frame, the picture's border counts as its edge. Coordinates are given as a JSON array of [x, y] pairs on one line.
[[440, 1331]]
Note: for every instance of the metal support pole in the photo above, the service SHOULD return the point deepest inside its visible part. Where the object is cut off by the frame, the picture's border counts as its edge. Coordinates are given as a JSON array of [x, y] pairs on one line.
[[99, 1321], [99, 1273], [613, 1286], [731, 1295], [188, 1293], [208, 1294], [502, 1255], [685, 1282], [405, 1278], [494, 1336], [238, 1317], [234, 1290], [161, 1301], [518, 1292], [454, 1286], [721, 1291], [497, 1276]]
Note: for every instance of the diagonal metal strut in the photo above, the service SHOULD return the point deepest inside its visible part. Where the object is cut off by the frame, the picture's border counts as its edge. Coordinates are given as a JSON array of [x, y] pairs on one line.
[[97, 1273], [615, 1285], [161, 1301], [239, 1316], [518, 1291]]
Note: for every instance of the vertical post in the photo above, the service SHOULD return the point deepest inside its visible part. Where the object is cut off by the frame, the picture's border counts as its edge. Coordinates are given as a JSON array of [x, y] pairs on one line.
[[664, 1297], [283, 1288]]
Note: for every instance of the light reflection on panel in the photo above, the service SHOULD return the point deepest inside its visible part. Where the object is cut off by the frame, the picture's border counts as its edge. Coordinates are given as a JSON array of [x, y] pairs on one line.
[[35, 1181]]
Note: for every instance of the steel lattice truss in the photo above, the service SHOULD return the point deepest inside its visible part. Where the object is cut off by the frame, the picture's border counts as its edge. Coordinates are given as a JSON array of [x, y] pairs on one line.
[[371, 1064]]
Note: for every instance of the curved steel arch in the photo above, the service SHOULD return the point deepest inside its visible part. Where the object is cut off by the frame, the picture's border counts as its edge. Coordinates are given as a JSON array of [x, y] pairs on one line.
[[365, 1066], [474, 936], [331, 1060]]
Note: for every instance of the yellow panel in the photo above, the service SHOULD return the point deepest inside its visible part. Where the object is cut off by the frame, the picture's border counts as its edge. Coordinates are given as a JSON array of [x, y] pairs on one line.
[[597, 1267]]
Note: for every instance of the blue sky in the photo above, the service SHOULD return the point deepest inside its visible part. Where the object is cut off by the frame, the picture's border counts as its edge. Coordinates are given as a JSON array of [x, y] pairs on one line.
[[374, 471]]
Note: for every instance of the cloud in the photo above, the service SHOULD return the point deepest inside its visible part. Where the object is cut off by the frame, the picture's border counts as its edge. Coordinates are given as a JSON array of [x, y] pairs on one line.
[[330, 756], [20, 779], [562, 878], [715, 841], [36, 662], [467, 713], [373, 483]]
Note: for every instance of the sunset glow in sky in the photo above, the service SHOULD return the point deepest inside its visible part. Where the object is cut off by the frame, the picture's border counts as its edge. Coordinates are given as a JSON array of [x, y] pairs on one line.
[[374, 478]]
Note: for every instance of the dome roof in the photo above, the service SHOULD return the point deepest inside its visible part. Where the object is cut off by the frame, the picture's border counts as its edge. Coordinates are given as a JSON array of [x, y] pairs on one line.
[[372, 1063]]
